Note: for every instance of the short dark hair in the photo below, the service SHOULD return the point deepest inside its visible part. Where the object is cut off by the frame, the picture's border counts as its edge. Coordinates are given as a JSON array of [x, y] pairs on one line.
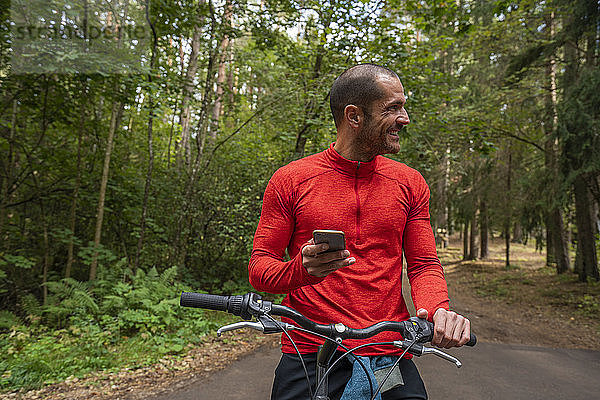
[[358, 86]]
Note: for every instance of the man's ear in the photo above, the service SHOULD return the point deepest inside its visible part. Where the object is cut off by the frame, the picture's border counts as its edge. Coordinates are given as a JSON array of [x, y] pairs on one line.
[[353, 115]]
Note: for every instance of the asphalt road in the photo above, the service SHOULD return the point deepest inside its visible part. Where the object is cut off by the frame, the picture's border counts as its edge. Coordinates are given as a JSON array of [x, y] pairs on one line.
[[490, 372]]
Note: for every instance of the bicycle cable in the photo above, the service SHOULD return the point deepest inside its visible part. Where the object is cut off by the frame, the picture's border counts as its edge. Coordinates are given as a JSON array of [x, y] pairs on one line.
[[330, 368], [296, 349], [394, 366], [351, 351]]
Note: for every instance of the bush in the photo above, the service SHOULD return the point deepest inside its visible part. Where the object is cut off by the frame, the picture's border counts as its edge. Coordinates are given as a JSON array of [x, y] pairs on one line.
[[122, 319]]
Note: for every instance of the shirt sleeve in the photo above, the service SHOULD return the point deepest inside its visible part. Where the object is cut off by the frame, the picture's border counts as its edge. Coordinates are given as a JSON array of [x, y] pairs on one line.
[[425, 273], [268, 272]]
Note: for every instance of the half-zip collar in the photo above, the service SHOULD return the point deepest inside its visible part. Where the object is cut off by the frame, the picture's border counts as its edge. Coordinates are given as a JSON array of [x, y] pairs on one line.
[[358, 169]]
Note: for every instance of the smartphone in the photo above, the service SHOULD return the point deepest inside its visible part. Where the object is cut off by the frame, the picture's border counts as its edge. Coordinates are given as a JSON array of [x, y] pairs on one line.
[[335, 239]]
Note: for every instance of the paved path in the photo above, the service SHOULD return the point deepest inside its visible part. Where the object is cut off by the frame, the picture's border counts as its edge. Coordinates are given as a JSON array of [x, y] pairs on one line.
[[489, 372], [497, 371]]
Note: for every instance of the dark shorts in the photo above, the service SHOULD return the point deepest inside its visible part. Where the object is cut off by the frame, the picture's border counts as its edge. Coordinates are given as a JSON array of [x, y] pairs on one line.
[[290, 380]]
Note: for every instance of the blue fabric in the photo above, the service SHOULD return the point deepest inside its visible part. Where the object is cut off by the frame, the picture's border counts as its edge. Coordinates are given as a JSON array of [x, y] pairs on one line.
[[358, 387]]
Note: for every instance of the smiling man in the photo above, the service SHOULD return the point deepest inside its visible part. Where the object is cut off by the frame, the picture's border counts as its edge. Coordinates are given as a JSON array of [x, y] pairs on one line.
[[368, 125], [383, 208]]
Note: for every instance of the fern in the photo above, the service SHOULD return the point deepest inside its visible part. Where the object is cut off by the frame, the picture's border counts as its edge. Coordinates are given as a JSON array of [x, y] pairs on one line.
[[169, 276], [30, 306], [101, 323], [8, 320], [69, 297]]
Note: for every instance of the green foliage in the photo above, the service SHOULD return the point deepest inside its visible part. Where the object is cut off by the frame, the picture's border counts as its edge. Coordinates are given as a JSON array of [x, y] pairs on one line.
[[122, 319], [16, 261], [584, 298], [2, 277], [580, 130], [68, 297], [104, 255], [589, 305], [8, 320]]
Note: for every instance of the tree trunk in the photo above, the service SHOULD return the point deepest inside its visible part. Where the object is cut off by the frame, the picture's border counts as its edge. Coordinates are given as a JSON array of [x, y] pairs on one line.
[[550, 229], [188, 90], [46, 267], [46, 255], [483, 230], [586, 240], [592, 35], [115, 119], [466, 240], [221, 72], [184, 154], [473, 250], [148, 182], [507, 245], [550, 147], [73, 212], [44, 219], [508, 217], [441, 212], [446, 203], [7, 179], [517, 236], [231, 80], [45, 243], [561, 252], [312, 109], [594, 187], [185, 218], [557, 246], [171, 134]]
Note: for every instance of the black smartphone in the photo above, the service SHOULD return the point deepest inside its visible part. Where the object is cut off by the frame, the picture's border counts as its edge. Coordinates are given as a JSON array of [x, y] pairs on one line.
[[335, 239]]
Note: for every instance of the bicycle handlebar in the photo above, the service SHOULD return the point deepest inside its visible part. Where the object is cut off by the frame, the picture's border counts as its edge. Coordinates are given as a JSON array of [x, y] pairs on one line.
[[236, 305], [251, 304]]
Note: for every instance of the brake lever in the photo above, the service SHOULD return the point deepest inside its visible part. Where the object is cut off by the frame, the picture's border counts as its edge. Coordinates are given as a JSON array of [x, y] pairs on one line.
[[441, 354], [420, 350], [264, 325], [240, 325]]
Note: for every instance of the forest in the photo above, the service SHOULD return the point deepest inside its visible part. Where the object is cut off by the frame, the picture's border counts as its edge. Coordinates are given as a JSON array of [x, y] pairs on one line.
[[137, 138]]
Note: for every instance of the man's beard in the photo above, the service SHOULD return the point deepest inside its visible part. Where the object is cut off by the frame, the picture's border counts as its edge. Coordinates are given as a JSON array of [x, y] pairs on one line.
[[373, 144]]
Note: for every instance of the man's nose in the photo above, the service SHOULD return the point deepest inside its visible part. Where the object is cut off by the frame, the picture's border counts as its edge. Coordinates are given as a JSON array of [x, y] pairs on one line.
[[403, 118]]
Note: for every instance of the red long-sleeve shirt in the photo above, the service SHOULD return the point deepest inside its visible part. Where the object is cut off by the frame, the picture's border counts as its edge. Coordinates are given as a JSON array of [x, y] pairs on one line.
[[383, 207]]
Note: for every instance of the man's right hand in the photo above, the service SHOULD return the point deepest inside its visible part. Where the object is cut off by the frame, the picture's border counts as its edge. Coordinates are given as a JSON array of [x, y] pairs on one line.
[[322, 264]]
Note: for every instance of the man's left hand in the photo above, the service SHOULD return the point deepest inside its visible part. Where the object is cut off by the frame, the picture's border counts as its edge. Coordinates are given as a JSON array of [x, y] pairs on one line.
[[450, 329]]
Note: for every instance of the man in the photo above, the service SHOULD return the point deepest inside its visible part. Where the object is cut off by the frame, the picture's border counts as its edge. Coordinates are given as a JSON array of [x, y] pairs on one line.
[[383, 208]]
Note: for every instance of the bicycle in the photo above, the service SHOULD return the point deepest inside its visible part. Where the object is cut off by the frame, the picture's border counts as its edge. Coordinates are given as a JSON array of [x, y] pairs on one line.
[[414, 331]]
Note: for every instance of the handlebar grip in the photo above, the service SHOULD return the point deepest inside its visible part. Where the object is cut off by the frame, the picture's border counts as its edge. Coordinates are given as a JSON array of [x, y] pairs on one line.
[[473, 341], [203, 300]]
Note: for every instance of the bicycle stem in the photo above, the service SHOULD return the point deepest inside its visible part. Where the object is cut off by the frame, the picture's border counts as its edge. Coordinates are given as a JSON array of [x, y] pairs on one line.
[[324, 356]]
